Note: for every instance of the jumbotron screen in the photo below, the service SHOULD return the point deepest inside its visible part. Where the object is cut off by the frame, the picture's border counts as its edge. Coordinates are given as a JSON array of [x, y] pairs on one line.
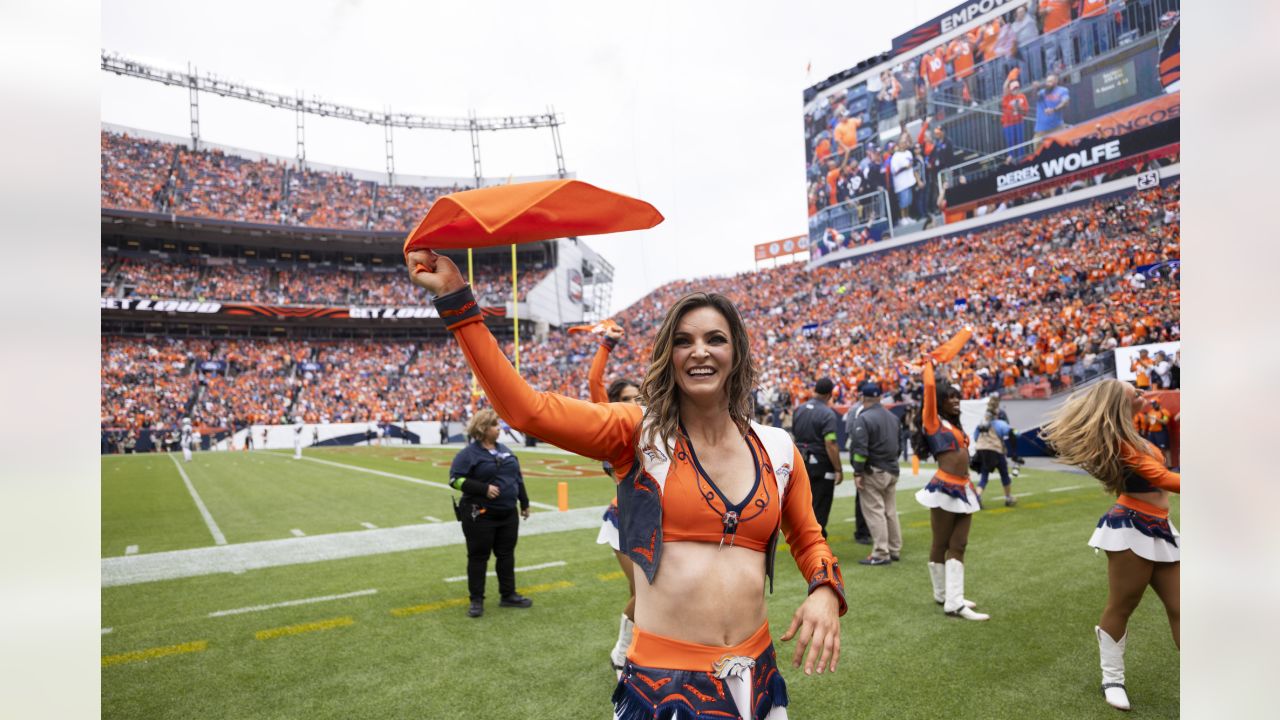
[[991, 103]]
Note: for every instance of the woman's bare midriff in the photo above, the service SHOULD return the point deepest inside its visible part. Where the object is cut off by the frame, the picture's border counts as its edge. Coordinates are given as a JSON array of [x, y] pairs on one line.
[[703, 593], [1159, 498], [955, 462]]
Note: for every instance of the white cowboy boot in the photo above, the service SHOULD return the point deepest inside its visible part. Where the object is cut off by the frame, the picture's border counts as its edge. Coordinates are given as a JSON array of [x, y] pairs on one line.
[[1112, 654], [955, 604], [938, 574], [618, 656]]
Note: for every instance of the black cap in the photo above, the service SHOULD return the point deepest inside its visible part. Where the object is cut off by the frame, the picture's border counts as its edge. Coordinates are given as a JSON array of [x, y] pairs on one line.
[[824, 386], [869, 388]]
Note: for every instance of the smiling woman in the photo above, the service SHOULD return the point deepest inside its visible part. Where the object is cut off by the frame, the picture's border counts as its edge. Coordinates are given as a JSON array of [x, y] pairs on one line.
[[703, 497]]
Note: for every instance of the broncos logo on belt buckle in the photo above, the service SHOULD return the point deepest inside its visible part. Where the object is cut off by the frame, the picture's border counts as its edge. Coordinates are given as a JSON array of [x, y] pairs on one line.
[[732, 665]]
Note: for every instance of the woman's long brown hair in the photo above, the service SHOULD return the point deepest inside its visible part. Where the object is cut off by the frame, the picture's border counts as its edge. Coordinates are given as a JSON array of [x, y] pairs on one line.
[[1090, 428], [661, 395]]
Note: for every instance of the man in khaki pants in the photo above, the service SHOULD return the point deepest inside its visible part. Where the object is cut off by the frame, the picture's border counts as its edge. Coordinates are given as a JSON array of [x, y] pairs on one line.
[[873, 443]]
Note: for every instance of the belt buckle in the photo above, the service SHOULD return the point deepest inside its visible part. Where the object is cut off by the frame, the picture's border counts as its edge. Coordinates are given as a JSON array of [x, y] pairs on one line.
[[732, 665]]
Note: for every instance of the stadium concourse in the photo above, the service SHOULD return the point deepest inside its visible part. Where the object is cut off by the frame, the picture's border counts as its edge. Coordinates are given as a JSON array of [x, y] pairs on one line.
[[1051, 297]]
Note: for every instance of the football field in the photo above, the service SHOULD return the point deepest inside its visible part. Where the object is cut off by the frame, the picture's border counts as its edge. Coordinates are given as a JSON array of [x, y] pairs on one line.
[[253, 585]]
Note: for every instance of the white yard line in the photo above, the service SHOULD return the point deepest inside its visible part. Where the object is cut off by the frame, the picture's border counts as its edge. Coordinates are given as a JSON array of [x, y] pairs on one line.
[[291, 603], [131, 550], [369, 526], [543, 566], [218, 537], [1069, 487], [107, 630], [430, 518], [239, 557], [298, 533], [420, 481]]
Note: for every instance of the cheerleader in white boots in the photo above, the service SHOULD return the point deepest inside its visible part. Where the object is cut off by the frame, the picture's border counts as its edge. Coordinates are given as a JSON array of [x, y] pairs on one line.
[[1094, 431], [950, 495]]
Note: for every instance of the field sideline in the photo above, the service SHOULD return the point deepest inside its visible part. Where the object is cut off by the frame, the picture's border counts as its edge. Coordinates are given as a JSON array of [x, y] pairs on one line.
[[383, 635]]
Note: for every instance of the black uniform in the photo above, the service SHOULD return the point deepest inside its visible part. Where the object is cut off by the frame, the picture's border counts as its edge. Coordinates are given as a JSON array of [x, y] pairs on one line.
[[490, 526], [812, 424]]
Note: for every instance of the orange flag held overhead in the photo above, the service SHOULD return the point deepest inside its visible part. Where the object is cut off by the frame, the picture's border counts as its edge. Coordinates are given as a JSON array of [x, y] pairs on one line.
[[527, 212], [596, 329]]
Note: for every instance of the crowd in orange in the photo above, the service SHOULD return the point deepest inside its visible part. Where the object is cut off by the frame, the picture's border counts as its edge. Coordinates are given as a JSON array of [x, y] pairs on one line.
[[1047, 296], [201, 278], [149, 175], [135, 172]]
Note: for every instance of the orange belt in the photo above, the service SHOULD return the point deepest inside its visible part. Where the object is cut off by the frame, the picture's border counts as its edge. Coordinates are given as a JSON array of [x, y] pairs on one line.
[[1134, 503], [658, 651], [950, 479]]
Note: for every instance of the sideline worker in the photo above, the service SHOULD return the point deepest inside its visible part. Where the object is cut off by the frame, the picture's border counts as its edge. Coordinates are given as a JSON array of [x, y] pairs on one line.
[[814, 428], [488, 474], [873, 442]]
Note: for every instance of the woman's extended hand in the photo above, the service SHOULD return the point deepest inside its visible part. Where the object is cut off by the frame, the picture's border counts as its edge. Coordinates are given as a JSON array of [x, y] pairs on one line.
[[492, 492], [817, 622], [436, 273], [524, 513]]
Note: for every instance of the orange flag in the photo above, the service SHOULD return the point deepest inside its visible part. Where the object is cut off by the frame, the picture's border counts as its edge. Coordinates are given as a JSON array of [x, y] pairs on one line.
[[598, 328], [527, 212]]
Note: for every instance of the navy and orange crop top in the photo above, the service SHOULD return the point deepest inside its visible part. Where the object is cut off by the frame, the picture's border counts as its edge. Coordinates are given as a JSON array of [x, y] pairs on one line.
[[1144, 470], [694, 509], [660, 495]]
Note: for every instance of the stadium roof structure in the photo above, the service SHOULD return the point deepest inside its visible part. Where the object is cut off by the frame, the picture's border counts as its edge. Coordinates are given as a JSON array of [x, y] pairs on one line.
[[471, 124]]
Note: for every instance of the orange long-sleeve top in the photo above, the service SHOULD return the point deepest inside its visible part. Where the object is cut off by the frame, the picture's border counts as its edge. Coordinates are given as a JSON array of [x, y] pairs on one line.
[[610, 431], [1148, 464], [595, 378], [945, 353]]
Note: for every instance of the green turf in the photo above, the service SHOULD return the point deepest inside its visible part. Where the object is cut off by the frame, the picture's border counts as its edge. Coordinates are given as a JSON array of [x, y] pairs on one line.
[[266, 495], [1029, 567]]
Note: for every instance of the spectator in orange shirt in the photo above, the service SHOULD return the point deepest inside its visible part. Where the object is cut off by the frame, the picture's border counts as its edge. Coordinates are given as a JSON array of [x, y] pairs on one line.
[[1157, 422], [933, 70], [1013, 113], [1058, 33], [1096, 27]]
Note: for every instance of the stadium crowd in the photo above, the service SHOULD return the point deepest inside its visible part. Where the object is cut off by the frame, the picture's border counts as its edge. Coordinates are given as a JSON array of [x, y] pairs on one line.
[[149, 175], [982, 88], [285, 283], [1049, 297]]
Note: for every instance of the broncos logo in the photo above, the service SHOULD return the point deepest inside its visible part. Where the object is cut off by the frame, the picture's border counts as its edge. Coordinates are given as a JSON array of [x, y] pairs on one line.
[[652, 453], [784, 472]]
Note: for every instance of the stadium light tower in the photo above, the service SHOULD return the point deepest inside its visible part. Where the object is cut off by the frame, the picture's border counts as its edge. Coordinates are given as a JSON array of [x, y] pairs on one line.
[[196, 84]]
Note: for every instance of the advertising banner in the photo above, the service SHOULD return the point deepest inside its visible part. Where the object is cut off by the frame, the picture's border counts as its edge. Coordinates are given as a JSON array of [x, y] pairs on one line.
[[782, 248], [1056, 161], [279, 312]]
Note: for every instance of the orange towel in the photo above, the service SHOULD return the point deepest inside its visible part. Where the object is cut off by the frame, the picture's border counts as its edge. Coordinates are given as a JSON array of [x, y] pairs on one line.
[[597, 328], [527, 212]]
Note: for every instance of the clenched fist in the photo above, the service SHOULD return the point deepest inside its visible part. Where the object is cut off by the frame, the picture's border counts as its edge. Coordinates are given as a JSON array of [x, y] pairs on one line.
[[436, 273]]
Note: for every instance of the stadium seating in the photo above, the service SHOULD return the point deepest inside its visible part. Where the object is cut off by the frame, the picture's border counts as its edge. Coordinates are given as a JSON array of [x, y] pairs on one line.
[[201, 278], [1049, 296], [149, 175]]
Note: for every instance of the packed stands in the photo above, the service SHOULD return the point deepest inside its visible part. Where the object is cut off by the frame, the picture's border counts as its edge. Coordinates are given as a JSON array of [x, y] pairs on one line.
[[1049, 297], [201, 278], [148, 175], [136, 174]]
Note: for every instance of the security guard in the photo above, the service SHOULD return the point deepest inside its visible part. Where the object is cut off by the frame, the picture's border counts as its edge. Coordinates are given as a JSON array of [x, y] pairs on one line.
[[814, 428], [489, 476]]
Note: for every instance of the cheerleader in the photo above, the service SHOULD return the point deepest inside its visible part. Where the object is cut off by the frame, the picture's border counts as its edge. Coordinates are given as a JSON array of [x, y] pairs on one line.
[[624, 391], [1094, 431], [950, 496], [702, 645]]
